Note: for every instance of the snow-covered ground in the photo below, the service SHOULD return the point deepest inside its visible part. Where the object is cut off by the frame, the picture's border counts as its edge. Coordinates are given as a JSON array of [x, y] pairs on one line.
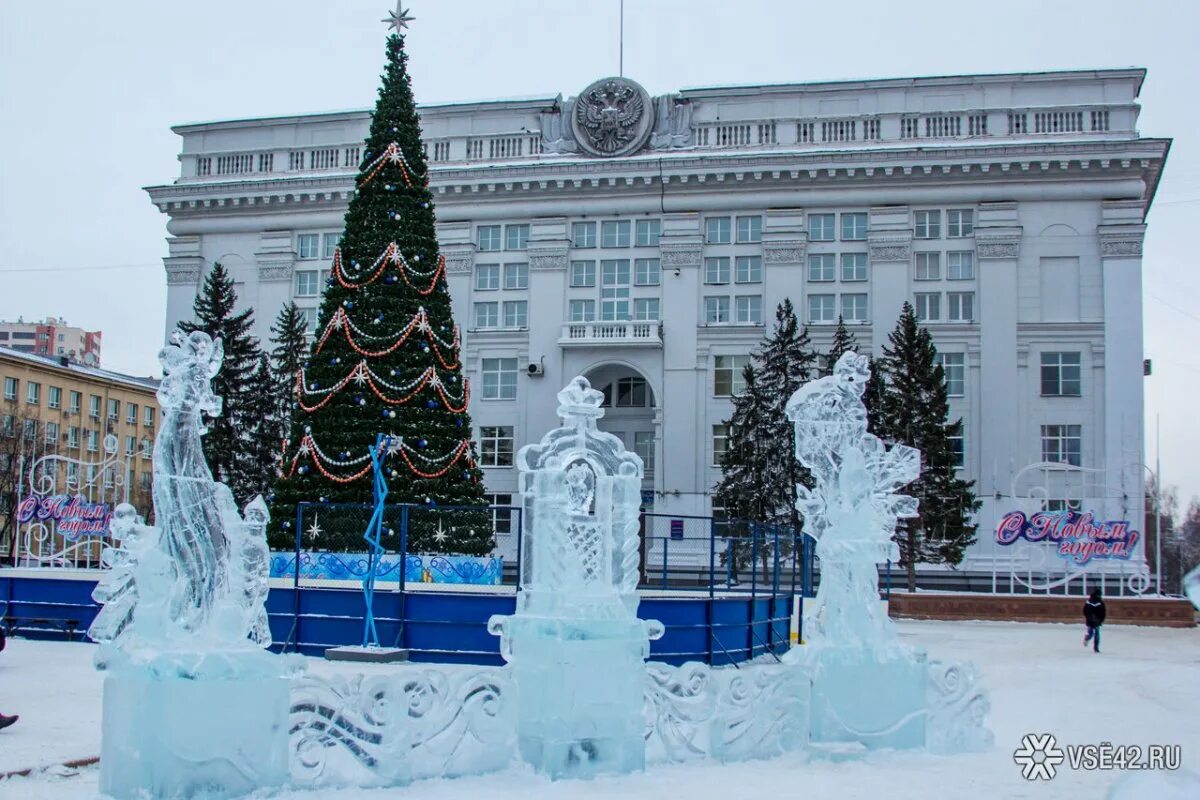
[[1144, 689]]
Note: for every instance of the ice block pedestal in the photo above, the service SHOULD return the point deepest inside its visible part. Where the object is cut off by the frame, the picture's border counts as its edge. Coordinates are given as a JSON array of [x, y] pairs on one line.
[[191, 725], [576, 646], [877, 703]]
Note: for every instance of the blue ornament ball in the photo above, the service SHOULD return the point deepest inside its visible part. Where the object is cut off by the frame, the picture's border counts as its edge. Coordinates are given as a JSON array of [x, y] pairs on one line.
[[303, 470], [287, 524], [422, 444], [459, 421], [385, 413], [431, 404]]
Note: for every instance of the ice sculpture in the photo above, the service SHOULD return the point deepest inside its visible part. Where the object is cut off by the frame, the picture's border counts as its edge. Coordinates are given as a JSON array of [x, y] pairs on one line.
[[389, 729], [193, 706], [867, 686], [576, 647], [730, 714], [1191, 586]]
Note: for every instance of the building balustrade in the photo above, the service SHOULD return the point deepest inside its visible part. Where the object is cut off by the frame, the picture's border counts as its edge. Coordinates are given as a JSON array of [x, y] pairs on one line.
[[592, 334]]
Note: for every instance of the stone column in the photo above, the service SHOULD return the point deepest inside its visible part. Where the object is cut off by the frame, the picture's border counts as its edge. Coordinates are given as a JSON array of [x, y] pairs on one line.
[[276, 261], [184, 267], [997, 248], [889, 242], [1120, 236]]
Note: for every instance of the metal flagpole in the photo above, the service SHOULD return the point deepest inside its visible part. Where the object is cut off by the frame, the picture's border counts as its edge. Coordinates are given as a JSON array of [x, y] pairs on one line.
[[621, 56], [1157, 506]]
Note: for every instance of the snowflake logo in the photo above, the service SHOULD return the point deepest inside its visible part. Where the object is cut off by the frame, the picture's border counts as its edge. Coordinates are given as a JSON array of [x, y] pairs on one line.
[[1038, 756]]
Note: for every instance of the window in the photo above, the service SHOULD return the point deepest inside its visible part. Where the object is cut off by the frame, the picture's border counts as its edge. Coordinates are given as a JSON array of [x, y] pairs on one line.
[[52, 431], [716, 270], [114, 409], [614, 234], [1061, 444], [516, 237], [487, 315], [716, 230], [144, 481], [854, 307], [130, 445], [748, 310], [306, 283], [960, 306], [957, 450], [854, 227], [489, 237], [94, 406], [716, 310], [632, 393], [960, 265], [583, 274], [720, 443], [147, 448], [583, 234], [960, 222], [516, 276], [646, 309], [928, 306], [727, 375], [148, 415], [76, 400], [647, 272], [487, 277], [73, 437], [583, 310], [501, 512], [93, 440], [1060, 375], [854, 266], [1062, 504], [10, 388], [496, 446], [330, 242], [821, 308], [499, 379], [648, 232], [749, 229], [954, 366], [33, 393], [29, 429], [8, 427], [131, 410], [516, 314], [928, 266], [643, 445], [306, 245], [310, 318], [614, 290], [749, 269], [928, 225], [822, 267], [821, 227]]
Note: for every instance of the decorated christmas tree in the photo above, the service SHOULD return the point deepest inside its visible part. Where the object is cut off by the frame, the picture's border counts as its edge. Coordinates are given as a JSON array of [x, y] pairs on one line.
[[385, 359]]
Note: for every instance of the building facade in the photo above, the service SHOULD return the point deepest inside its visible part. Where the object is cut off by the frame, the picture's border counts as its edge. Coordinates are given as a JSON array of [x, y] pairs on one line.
[[68, 429], [52, 337], [645, 242]]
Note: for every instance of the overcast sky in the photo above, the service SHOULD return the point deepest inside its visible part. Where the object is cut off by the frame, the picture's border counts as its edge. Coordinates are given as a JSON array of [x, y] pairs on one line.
[[89, 90]]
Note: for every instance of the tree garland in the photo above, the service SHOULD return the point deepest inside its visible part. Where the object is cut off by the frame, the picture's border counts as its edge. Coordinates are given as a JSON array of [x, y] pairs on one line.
[[393, 154], [390, 255], [419, 322], [309, 447], [362, 374]]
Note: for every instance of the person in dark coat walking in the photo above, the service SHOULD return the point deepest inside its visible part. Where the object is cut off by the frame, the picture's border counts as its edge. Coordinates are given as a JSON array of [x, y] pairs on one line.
[[5, 721], [1093, 614]]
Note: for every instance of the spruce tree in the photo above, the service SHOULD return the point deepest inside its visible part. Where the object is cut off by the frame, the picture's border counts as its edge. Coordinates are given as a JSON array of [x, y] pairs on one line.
[[787, 362], [385, 359], [225, 440], [843, 342], [913, 410], [255, 464], [290, 338], [750, 489]]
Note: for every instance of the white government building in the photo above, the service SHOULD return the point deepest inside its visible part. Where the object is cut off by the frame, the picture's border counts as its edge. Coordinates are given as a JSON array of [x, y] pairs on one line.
[[645, 242]]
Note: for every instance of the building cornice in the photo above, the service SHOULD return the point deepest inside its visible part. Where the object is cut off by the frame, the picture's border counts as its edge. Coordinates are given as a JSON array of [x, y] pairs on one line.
[[697, 170]]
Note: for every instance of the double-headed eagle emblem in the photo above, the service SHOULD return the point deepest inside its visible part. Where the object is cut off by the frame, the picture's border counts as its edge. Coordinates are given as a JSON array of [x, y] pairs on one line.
[[610, 114]]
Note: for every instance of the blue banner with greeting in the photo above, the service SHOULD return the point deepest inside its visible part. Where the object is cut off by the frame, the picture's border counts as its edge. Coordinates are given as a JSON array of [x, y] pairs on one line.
[[471, 570]]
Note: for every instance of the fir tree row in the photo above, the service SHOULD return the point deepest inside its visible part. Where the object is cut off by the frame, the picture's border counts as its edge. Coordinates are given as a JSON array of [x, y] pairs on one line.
[[907, 403]]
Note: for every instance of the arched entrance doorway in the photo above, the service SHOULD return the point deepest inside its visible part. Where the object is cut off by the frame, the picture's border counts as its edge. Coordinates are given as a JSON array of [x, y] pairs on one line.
[[630, 414]]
